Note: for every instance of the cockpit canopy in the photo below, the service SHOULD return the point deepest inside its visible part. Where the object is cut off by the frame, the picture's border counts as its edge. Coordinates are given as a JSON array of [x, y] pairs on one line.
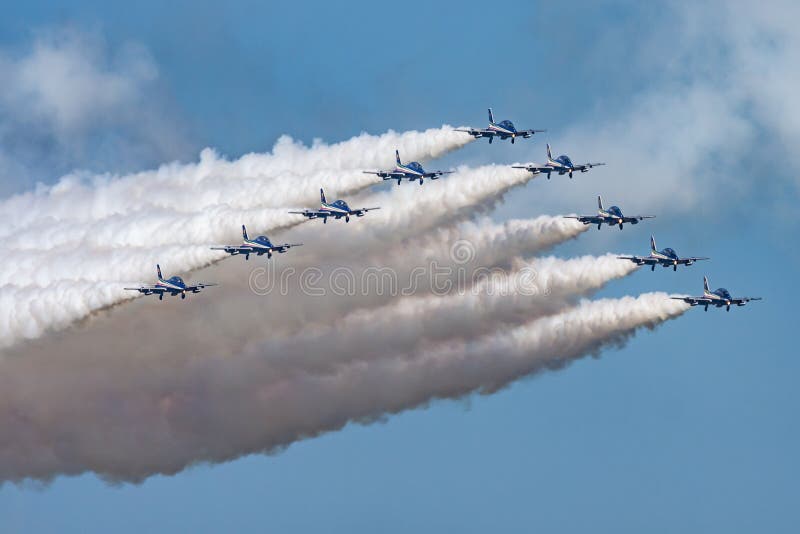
[[341, 204], [614, 210], [176, 280], [722, 292], [507, 125], [564, 160], [264, 240], [669, 252], [415, 166]]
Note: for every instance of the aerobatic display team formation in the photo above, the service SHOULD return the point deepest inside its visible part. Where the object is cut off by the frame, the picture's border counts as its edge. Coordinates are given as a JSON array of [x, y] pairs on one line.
[[291, 346], [414, 171]]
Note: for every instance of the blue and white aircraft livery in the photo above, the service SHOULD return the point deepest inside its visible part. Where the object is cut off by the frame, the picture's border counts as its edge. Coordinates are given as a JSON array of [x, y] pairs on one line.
[[666, 258], [503, 130], [409, 171], [719, 298], [337, 210], [258, 246], [173, 286], [561, 165], [610, 216]]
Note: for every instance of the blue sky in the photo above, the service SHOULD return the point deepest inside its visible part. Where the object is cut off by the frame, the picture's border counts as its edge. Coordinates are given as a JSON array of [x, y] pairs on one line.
[[689, 427]]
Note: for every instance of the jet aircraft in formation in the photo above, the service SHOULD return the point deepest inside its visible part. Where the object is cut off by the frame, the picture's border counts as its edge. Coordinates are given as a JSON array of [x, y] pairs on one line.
[[561, 165], [258, 246], [409, 171], [173, 285], [503, 130], [414, 171], [610, 216], [719, 298], [336, 209], [666, 258]]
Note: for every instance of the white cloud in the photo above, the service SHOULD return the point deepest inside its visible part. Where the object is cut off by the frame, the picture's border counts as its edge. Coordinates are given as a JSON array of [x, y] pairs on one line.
[[71, 100]]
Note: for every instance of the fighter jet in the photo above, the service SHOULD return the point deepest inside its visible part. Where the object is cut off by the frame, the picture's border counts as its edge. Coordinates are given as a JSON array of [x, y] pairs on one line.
[[503, 130], [561, 165], [337, 210], [610, 216], [665, 258], [719, 298], [410, 171], [174, 286], [258, 246]]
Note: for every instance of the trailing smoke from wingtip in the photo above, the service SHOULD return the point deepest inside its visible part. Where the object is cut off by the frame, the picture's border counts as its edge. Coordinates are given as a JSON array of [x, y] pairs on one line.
[[111, 228], [197, 186], [185, 411], [198, 403], [490, 300]]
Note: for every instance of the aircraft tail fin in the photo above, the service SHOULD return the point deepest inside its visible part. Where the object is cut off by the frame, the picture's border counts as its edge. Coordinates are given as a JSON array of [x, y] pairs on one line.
[[599, 201], [706, 289], [653, 244], [244, 233], [321, 195], [549, 153], [158, 270], [491, 116], [397, 156]]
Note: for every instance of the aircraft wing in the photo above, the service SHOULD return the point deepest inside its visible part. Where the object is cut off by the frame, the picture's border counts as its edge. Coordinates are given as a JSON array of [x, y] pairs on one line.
[[361, 211], [636, 218], [640, 260], [528, 133], [235, 249], [436, 174], [387, 175], [587, 219], [583, 167], [147, 289], [741, 301], [197, 287], [694, 301], [690, 260], [705, 301], [286, 246], [477, 132], [311, 214], [535, 168]]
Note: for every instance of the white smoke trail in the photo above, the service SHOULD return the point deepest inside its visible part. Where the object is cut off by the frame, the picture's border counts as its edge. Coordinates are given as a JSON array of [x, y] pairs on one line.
[[493, 245], [407, 212], [135, 240], [398, 264], [515, 237], [402, 210], [488, 300], [128, 421], [124, 246], [196, 186], [31, 311]]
